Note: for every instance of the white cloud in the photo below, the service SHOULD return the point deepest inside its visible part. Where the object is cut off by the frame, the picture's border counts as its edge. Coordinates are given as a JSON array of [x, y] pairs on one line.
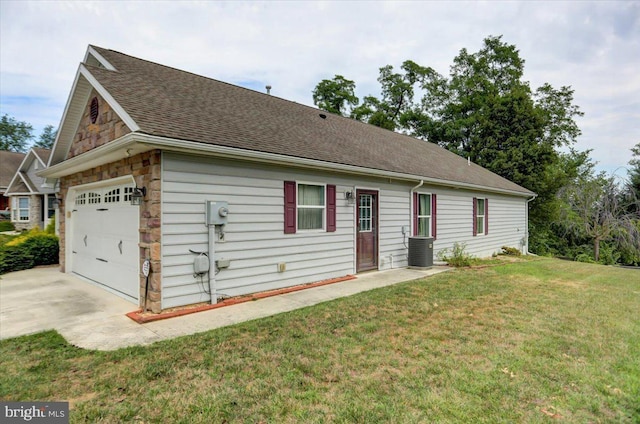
[[591, 46]]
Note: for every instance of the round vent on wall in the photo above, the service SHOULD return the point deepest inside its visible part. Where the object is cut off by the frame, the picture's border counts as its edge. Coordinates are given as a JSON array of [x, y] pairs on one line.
[[94, 110]]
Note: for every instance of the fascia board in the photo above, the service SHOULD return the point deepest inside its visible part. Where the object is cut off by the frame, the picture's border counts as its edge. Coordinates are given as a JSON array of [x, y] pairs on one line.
[[119, 110], [63, 120], [20, 168], [235, 153], [137, 143], [104, 62]]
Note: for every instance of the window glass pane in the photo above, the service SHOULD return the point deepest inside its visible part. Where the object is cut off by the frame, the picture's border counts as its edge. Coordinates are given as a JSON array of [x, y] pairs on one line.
[[23, 202], [310, 218], [480, 210], [424, 208], [310, 195], [480, 225], [364, 212], [424, 226]]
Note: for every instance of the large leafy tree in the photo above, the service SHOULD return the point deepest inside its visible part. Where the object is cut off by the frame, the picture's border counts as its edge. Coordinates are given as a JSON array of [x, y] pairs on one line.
[[47, 138], [484, 110], [15, 135], [335, 95]]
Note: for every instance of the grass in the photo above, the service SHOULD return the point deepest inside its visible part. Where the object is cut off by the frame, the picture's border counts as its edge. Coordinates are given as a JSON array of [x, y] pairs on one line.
[[532, 341]]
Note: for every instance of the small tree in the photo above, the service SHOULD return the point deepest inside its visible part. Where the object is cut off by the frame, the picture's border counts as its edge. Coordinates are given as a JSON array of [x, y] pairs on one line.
[[595, 208], [47, 138]]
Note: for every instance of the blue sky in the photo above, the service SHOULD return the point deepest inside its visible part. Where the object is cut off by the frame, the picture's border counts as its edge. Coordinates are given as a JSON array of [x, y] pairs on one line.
[[594, 47]]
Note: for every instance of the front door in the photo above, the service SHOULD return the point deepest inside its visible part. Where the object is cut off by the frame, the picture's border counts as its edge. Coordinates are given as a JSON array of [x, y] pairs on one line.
[[367, 230]]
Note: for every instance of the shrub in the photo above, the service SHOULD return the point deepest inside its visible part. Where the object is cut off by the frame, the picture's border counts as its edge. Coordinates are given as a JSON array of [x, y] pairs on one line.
[[511, 251], [15, 258], [51, 226], [7, 226], [30, 249], [458, 257]]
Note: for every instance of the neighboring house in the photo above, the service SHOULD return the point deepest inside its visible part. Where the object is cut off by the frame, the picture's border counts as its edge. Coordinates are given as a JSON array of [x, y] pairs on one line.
[[304, 195], [32, 202], [9, 164]]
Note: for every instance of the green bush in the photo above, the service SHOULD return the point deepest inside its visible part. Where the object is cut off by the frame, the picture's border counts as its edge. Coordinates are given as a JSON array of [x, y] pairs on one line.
[[51, 226], [15, 258], [458, 257], [28, 250], [7, 226], [511, 251]]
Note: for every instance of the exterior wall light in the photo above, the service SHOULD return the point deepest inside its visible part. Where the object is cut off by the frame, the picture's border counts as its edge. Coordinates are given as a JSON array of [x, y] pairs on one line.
[[137, 195], [57, 202]]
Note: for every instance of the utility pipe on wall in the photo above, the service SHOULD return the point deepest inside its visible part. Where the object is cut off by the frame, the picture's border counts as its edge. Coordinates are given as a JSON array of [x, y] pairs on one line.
[[212, 263]]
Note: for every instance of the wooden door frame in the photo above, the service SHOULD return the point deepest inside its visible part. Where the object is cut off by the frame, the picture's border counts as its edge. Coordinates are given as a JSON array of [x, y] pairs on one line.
[[376, 194]]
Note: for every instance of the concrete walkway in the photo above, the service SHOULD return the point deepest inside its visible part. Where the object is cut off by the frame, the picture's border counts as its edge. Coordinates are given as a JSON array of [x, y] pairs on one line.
[[90, 317]]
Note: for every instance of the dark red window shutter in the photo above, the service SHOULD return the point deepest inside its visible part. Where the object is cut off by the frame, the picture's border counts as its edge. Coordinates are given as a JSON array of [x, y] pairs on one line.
[[331, 208], [434, 216], [475, 215], [415, 214], [290, 207], [486, 216]]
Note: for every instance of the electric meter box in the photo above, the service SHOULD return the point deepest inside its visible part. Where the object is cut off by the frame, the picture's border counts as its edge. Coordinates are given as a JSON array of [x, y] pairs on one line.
[[216, 212]]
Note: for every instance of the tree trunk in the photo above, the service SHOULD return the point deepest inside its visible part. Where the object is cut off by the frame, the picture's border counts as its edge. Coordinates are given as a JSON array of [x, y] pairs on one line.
[[596, 248]]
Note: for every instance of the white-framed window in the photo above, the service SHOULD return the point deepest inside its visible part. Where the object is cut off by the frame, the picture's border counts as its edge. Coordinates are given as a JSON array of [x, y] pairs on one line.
[[424, 215], [93, 198], [480, 216], [365, 213], [310, 206], [20, 209]]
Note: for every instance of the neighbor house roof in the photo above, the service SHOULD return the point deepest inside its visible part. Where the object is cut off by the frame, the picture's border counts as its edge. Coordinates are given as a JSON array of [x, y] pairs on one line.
[[166, 102], [20, 182], [9, 164]]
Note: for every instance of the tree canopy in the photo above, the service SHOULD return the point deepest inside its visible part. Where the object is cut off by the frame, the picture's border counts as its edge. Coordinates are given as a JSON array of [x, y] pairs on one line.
[[47, 138], [15, 135], [484, 110]]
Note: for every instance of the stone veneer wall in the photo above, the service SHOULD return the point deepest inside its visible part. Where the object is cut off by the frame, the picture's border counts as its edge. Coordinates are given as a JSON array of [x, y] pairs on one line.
[[107, 127], [146, 170]]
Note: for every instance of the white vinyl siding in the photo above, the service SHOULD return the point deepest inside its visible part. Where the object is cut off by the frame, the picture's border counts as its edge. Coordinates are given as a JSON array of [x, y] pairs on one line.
[[254, 240]]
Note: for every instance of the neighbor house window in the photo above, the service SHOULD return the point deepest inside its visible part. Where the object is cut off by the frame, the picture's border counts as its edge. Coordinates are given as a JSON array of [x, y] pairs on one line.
[[51, 210], [424, 215], [21, 209], [480, 216], [309, 207]]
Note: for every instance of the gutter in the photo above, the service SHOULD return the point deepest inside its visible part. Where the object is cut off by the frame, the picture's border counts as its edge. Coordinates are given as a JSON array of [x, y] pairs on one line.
[[136, 143]]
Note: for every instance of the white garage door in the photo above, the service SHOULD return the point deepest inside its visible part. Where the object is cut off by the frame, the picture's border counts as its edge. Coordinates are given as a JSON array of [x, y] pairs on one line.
[[105, 238]]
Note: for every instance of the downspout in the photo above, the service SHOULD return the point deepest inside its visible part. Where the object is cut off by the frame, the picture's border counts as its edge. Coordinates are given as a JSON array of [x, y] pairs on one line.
[[526, 233]]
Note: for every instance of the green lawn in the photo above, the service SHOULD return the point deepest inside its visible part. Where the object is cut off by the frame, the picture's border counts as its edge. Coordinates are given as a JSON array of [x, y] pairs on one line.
[[533, 341]]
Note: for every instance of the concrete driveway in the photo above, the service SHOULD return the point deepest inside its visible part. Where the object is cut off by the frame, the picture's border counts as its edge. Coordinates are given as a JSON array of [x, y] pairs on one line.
[[88, 316]]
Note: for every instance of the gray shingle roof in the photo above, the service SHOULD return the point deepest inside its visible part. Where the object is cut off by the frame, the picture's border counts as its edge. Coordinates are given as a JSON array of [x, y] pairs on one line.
[[167, 102], [9, 164]]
